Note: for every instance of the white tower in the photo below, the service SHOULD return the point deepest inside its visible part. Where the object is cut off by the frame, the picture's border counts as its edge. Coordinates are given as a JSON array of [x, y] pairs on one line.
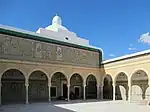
[[59, 32]]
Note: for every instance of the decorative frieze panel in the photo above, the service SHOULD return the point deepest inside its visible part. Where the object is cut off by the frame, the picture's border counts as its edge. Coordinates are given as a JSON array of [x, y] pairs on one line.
[[47, 51], [38, 50], [31, 50], [59, 54]]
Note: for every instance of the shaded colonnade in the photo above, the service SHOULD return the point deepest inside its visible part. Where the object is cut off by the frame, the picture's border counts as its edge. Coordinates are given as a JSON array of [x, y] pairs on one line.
[[13, 87], [107, 88], [91, 87]]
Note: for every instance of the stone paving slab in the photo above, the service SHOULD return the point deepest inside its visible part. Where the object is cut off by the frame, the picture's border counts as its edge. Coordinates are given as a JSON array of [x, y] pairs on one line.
[[37, 107], [101, 106], [106, 106]]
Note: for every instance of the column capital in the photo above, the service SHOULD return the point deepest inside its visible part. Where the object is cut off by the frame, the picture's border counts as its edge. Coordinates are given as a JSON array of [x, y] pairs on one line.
[[129, 82], [101, 85], [98, 86], [84, 85], [149, 83], [49, 84], [114, 84], [68, 85], [26, 84]]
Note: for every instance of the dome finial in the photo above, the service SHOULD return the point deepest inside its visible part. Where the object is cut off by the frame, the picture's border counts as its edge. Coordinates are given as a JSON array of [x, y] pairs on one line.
[[57, 20]]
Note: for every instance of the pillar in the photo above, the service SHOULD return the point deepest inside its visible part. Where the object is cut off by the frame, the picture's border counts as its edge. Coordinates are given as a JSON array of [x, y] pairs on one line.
[[68, 95], [129, 90], [98, 91], [49, 91], [149, 81], [114, 91], [84, 87], [27, 89], [101, 89], [0, 93]]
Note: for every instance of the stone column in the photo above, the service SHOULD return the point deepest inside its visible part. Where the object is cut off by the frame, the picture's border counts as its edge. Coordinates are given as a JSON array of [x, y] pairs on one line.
[[49, 91], [129, 90], [98, 91], [68, 95], [101, 87], [0, 93], [149, 81], [114, 90], [84, 87], [27, 88]]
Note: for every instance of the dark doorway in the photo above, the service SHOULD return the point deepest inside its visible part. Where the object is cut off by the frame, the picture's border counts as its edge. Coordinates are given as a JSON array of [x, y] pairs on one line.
[[91, 88], [77, 92], [65, 90], [108, 88]]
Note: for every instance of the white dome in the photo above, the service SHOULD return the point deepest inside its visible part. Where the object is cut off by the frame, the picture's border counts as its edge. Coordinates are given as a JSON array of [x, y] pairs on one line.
[[57, 20], [56, 24]]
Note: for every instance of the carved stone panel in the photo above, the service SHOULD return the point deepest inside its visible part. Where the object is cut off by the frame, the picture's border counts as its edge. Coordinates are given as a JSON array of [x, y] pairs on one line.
[[26, 47], [38, 49], [59, 54], [32, 50], [47, 51]]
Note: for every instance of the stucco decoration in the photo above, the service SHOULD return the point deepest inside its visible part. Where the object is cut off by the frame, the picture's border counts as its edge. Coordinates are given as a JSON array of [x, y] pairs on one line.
[[12, 47], [58, 53]]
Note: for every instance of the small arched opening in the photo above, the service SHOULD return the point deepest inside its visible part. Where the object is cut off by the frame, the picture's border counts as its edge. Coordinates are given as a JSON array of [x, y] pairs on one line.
[[107, 88]]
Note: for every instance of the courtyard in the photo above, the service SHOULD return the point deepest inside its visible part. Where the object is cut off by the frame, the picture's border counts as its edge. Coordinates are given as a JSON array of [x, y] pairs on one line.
[[78, 106]]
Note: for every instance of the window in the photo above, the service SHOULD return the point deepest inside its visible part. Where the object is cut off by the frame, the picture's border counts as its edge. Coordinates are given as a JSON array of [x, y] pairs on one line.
[[66, 38]]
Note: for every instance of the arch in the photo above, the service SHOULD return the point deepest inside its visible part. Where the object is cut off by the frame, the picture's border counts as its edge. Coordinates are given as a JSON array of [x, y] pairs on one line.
[[40, 70], [139, 78], [74, 74], [139, 69], [10, 70], [55, 73], [13, 86], [34, 74], [91, 87], [13, 68], [59, 88], [136, 94], [107, 87], [38, 86], [122, 74], [121, 82], [139, 72], [91, 76], [76, 86], [108, 77], [59, 71]]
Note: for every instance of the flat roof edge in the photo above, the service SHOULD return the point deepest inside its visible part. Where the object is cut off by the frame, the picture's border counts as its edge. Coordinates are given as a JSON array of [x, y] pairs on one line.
[[34, 36], [127, 56]]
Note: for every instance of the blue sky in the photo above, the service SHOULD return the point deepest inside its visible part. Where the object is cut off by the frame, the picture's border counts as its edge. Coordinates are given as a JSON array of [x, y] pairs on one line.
[[116, 26]]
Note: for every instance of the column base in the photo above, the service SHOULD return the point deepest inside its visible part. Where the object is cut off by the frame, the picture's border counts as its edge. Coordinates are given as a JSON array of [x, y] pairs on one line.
[[27, 103]]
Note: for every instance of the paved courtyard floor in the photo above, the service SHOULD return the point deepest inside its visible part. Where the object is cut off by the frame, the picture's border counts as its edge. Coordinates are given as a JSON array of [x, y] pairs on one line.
[[78, 106]]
